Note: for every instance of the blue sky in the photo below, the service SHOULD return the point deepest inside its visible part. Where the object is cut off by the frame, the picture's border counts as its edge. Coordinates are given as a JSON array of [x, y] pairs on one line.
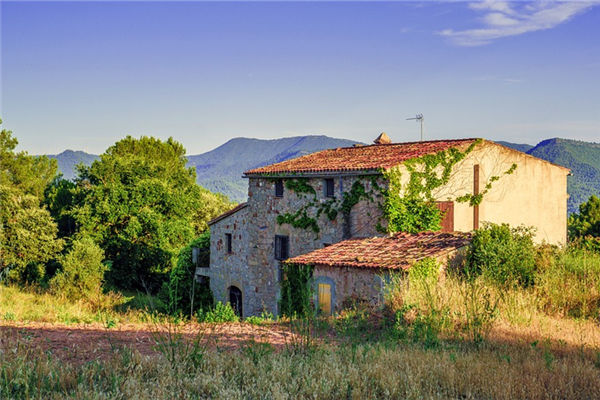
[[81, 75]]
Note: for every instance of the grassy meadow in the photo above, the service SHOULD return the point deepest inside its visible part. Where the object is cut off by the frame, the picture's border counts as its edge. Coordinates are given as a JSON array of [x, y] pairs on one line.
[[436, 337]]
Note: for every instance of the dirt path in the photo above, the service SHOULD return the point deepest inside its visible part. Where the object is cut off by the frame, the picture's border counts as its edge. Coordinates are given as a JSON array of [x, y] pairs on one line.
[[88, 342]]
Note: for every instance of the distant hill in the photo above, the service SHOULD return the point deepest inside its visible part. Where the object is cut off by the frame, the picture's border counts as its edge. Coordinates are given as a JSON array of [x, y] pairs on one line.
[[583, 158], [523, 147], [68, 159], [221, 169]]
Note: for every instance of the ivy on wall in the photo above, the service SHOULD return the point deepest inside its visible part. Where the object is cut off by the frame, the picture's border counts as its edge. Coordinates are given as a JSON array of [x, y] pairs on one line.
[[406, 208], [296, 290], [412, 208], [476, 199], [331, 208]]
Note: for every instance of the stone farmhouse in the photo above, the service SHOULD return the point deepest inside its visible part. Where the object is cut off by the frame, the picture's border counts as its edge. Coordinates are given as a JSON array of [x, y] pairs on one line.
[[323, 209]]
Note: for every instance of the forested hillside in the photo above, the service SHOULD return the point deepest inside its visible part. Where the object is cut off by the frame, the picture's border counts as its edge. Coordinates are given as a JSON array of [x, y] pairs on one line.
[[68, 159], [220, 170]]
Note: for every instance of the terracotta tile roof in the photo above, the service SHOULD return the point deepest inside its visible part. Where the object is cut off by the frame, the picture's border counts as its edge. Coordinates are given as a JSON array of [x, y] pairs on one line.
[[360, 158], [228, 213], [399, 251]]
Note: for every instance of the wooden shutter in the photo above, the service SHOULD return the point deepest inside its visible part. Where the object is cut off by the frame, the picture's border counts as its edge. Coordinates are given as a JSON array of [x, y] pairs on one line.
[[447, 209]]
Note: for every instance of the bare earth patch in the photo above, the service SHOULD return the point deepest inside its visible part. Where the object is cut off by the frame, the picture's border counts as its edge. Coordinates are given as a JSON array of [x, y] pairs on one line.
[[82, 343]]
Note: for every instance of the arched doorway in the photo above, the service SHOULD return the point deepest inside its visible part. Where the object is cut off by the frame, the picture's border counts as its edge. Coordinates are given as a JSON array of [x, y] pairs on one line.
[[235, 299]]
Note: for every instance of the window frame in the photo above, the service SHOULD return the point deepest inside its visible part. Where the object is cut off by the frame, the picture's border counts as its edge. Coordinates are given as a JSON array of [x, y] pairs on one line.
[[279, 188], [326, 187], [279, 240], [229, 243]]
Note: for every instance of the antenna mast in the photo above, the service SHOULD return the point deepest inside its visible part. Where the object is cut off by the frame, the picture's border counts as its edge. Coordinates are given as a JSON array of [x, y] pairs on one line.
[[421, 119]]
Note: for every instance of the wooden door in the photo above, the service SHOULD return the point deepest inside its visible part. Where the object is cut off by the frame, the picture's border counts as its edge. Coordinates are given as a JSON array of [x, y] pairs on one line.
[[447, 209], [325, 298]]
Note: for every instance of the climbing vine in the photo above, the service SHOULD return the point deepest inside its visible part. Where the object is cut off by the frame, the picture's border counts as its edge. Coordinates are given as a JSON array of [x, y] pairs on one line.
[[331, 208], [296, 290], [476, 199], [300, 185], [408, 207], [412, 208]]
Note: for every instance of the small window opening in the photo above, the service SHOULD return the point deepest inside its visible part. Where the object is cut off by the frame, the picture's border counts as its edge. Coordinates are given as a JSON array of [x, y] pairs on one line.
[[279, 188], [329, 187], [228, 239], [282, 247]]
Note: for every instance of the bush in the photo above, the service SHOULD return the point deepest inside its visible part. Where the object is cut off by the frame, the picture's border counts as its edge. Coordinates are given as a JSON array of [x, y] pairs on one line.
[[82, 270], [220, 313], [265, 317], [570, 284], [503, 255]]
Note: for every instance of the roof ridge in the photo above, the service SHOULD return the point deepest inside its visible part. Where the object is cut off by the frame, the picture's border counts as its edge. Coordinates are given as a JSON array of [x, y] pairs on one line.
[[363, 158]]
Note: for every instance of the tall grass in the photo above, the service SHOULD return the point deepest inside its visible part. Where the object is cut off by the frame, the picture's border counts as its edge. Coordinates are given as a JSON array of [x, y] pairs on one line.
[[35, 305], [568, 284], [328, 372]]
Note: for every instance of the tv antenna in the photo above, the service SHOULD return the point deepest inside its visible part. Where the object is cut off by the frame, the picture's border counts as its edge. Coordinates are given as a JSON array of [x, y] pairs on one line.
[[419, 118]]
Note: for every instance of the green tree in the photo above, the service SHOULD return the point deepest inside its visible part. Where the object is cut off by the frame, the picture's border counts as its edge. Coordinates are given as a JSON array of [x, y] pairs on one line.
[[584, 227], [140, 203], [82, 271], [27, 231], [59, 199]]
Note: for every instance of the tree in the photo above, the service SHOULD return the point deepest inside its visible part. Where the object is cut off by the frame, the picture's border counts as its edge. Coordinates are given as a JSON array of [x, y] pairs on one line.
[[82, 271], [27, 230], [59, 199], [584, 227], [139, 203]]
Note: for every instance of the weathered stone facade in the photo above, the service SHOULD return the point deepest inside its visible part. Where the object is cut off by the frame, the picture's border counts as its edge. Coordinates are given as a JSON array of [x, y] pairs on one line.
[[229, 269], [357, 284], [535, 194], [264, 207]]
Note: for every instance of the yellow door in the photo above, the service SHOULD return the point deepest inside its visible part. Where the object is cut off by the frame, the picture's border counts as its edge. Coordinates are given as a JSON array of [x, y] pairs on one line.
[[325, 298]]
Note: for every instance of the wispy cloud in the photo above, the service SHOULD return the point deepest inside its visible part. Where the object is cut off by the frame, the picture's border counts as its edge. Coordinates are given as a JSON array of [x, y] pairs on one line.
[[502, 18]]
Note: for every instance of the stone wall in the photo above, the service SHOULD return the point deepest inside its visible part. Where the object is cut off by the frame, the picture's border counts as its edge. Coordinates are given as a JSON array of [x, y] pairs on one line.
[[360, 284], [230, 269], [263, 209], [535, 194]]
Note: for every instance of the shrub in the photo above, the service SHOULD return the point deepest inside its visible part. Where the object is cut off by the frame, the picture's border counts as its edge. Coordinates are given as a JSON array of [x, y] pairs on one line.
[[82, 270], [502, 254], [220, 313], [265, 317]]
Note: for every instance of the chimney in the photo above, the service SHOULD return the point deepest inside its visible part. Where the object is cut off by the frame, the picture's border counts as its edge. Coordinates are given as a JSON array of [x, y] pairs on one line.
[[383, 138]]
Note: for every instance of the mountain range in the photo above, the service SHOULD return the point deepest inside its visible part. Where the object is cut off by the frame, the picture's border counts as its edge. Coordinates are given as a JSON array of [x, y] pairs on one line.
[[220, 170]]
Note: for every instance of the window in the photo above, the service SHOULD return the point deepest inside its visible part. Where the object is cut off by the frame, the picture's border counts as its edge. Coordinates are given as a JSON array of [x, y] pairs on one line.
[[279, 188], [282, 247], [329, 187], [228, 240]]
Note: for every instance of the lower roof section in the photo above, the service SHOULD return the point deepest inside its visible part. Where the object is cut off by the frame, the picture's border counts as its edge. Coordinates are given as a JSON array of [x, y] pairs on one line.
[[398, 251]]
